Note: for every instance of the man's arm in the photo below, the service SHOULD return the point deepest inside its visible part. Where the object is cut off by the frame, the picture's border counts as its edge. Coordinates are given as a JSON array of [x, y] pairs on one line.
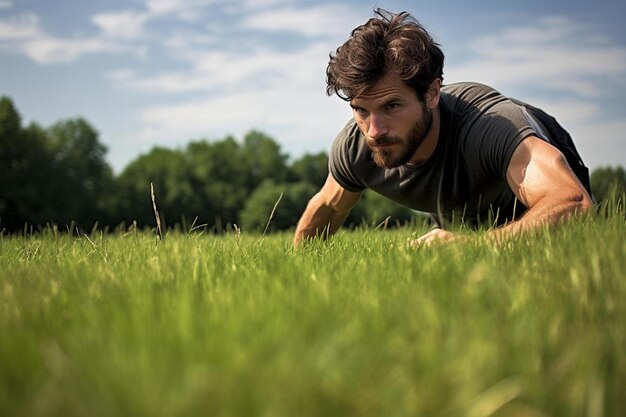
[[326, 211], [542, 180]]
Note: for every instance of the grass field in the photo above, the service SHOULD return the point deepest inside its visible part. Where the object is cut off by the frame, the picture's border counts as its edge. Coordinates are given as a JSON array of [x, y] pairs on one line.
[[360, 325]]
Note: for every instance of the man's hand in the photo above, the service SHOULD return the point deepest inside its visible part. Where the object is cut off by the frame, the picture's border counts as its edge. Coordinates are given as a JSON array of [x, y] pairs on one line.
[[435, 237]]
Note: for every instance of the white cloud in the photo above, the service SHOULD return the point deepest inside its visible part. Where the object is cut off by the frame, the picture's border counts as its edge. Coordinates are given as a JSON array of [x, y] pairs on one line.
[[23, 34], [5, 4], [214, 66], [50, 50], [20, 27], [163, 83], [282, 94], [121, 75], [164, 6], [262, 4], [313, 21], [192, 9], [125, 24], [187, 40], [189, 10], [299, 121], [223, 71], [554, 54]]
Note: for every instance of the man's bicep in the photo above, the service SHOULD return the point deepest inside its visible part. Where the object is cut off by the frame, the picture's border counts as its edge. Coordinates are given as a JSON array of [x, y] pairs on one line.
[[538, 170], [337, 197]]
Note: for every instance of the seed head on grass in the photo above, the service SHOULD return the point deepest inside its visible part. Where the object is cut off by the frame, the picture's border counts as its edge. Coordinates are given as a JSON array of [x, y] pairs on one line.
[[156, 214]]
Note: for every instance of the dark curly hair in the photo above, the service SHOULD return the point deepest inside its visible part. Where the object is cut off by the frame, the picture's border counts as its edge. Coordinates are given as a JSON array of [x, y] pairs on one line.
[[386, 43]]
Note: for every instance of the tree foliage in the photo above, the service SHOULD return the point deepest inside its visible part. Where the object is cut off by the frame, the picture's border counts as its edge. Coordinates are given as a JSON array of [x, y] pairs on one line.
[[59, 175], [607, 180], [78, 158], [280, 205], [15, 167], [311, 168]]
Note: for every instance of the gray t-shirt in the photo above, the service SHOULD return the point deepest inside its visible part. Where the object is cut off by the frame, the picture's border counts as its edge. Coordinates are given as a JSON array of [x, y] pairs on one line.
[[465, 178]]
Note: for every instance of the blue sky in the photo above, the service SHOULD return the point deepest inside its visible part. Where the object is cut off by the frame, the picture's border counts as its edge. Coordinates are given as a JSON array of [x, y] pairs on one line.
[[164, 72]]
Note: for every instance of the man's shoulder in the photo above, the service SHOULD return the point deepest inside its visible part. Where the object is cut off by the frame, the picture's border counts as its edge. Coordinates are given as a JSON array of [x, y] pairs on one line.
[[468, 89], [471, 100], [348, 137], [348, 158]]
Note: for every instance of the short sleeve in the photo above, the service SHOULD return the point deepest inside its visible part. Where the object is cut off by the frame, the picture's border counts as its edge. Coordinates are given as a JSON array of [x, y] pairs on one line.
[[343, 158], [491, 135]]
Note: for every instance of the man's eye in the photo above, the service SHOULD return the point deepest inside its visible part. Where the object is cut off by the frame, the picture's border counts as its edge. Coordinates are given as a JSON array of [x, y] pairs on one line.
[[392, 106], [360, 111]]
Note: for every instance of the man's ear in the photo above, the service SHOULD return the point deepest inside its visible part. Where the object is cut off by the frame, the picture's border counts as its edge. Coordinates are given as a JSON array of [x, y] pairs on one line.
[[433, 93]]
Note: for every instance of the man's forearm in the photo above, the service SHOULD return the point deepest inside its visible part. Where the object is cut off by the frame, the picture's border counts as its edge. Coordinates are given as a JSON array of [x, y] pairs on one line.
[[318, 219], [542, 214], [545, 213]]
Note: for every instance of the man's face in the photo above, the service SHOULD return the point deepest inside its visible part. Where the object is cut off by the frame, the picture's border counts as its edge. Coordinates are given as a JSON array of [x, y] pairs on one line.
[[393, 120]]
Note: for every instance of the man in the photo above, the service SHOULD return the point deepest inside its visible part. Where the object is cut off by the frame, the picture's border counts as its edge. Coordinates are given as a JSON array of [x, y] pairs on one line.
[[462, 152]]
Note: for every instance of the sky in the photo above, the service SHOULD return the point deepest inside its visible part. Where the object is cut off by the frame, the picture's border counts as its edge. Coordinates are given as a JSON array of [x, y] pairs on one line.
[[148, 73]]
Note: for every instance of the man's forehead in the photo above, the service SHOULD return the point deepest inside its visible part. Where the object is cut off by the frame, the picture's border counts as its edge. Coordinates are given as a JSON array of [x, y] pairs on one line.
[[387, 87], [379, 94]]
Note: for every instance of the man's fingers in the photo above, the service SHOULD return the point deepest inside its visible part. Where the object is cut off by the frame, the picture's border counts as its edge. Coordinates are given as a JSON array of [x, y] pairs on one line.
[[426, 239]]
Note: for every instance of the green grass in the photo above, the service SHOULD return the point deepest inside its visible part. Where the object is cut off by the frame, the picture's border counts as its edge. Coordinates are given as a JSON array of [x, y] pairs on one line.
[[358, 325]]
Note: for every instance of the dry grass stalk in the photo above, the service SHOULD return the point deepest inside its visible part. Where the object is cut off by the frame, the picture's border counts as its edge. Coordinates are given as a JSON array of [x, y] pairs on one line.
[[156, 214], [271, 215]]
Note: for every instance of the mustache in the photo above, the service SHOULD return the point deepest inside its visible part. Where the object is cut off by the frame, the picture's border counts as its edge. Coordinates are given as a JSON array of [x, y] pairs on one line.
[[384, 140]]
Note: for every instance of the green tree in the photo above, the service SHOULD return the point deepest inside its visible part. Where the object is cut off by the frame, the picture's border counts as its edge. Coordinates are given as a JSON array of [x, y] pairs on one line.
[[311, 168], [220, 180], [10, 127], [605, 180], [258, 208], [83, 179], [26, 173], [203, 181], [55, 175], [263, 159], [37, 202], [168, 171], [13, 165]]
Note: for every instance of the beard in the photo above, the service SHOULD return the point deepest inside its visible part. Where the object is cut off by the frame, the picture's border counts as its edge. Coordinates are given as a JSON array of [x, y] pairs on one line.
[[389, 158]]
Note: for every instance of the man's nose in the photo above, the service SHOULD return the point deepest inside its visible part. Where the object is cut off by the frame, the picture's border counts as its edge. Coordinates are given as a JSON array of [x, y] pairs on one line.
[[376, 127]]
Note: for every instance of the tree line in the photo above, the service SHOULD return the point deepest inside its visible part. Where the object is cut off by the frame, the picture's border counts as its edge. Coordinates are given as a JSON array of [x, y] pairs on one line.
[[58, 176]]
